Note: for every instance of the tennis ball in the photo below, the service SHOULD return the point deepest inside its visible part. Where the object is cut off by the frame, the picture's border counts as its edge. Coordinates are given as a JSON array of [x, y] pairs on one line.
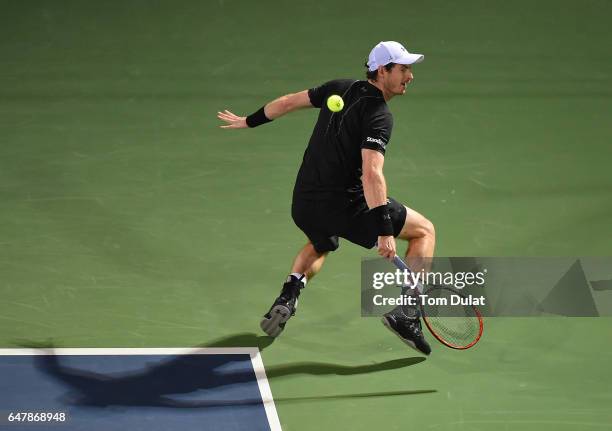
[[335, 103]]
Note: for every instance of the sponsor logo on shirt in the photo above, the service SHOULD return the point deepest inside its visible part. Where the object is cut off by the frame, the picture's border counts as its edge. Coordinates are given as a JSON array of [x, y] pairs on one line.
[[377, 141]]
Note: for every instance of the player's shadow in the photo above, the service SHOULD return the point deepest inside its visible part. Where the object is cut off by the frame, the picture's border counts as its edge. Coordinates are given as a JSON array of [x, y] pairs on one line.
[[158, 384]]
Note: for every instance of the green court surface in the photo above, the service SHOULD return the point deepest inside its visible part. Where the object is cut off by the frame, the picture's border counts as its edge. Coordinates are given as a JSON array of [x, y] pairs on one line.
[[129, 219]]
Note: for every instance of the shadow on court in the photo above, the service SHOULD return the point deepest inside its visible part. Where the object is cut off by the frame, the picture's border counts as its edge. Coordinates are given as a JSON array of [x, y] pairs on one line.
[[158, 384]]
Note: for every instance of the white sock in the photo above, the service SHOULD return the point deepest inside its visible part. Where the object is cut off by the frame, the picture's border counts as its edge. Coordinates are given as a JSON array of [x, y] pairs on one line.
[[301, 277]]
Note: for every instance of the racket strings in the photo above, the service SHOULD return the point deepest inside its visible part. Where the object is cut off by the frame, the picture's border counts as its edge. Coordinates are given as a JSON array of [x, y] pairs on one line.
[[455, 330], [455, 325]]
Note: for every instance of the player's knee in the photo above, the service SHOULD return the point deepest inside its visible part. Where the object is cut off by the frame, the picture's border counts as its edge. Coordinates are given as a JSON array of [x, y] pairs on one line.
[[425, 228], [429, 228], [321, 250]]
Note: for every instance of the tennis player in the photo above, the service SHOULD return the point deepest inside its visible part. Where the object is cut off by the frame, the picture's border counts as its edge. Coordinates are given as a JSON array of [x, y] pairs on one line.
[[340, 191]]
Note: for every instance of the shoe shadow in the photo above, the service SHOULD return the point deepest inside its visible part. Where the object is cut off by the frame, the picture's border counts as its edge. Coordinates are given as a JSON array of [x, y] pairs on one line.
[[158, 384]]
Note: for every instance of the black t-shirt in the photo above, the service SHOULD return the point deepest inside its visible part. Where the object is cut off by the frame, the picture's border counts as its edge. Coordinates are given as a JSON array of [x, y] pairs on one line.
[[332, 162]]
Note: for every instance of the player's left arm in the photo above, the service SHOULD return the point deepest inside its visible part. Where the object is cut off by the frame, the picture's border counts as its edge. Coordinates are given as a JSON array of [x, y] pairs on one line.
[[271, 111]]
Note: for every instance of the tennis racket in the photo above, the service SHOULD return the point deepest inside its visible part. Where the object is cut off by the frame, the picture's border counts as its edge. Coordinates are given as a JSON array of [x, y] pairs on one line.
[[456, 326]]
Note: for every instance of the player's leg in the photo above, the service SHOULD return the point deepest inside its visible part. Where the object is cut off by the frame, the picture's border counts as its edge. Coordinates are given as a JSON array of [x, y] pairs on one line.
[[404, 321], [419, 232], [306, 264], [421, 236], [311, 219], [308, 261]]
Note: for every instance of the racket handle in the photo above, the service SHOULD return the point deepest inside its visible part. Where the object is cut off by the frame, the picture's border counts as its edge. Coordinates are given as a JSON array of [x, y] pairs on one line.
[[399, 262]]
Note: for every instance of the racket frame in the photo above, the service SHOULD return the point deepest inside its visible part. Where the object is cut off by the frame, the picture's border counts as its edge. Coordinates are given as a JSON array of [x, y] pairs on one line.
[[400, 264]]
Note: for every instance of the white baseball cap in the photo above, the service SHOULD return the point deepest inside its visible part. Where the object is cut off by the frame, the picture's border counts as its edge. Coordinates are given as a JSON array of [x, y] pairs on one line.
[[391, 52]]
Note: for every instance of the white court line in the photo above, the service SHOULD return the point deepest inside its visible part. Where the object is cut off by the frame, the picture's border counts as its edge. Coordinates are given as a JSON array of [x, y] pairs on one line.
[[265, 391], [134, 351], [253, 352]]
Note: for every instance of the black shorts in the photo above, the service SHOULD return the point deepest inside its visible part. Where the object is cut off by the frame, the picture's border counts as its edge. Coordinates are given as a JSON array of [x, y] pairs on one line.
[[323, 221]]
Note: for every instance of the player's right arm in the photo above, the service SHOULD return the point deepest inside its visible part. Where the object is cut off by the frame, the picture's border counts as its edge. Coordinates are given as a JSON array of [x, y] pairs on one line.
[[377, 126], [271, 111], [375, 191]]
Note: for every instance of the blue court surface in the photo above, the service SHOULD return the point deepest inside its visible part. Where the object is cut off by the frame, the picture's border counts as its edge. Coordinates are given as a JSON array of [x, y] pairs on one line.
[[135, 389]]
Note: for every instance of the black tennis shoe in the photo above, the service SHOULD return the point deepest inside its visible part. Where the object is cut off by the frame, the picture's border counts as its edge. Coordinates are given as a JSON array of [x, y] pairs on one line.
[[283, 308], [408, 329]]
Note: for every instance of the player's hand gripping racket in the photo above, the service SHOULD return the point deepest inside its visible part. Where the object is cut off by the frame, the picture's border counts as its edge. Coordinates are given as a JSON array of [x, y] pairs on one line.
[[456, 326]]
